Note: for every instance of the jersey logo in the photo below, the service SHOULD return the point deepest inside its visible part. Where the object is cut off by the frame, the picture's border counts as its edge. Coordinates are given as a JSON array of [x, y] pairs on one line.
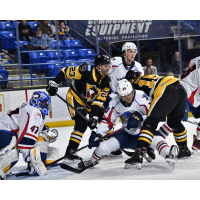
[[82, 68], [38, 114], [92, 92]]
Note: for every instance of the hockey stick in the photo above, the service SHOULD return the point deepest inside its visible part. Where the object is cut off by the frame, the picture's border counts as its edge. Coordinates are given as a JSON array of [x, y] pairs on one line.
[[26, 172], [65, 156], [72, 107], [192, 122]]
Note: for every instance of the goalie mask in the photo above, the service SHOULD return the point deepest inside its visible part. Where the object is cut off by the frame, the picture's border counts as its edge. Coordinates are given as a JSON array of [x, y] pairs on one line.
[[41, 101]]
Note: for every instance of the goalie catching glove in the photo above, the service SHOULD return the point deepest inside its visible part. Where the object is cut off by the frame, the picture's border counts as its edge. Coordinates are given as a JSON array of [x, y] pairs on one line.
[[134, 120], [50, 135], [52, 88], [92, 140]]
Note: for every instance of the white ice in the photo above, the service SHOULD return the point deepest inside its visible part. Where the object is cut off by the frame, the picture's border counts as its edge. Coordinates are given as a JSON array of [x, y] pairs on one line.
[[113, 169]]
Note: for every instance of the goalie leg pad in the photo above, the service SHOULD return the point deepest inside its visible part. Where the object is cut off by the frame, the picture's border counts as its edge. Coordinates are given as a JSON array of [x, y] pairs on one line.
[[43, 144], [36, 162], [8, 161]]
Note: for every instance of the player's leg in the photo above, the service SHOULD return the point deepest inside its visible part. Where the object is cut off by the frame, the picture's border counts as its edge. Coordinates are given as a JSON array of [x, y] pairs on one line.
[[174, 122], [161, 106], [9, 155]]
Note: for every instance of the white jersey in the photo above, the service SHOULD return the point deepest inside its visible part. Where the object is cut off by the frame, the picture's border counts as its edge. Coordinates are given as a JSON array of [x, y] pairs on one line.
[[119, 69], [26, 122], [191, 81], [117, 108]]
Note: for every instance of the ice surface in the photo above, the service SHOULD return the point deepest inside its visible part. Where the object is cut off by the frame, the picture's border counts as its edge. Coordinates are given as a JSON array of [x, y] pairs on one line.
[[113, 168]]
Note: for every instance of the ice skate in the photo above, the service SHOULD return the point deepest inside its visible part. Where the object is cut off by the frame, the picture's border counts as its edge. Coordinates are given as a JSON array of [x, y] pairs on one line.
[[136, 160], [184, 152], [172, 157]]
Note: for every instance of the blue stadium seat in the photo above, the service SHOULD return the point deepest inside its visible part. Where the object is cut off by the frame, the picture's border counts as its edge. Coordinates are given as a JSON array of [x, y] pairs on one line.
[[76, 44], [81, 61], [72, 63], [53, 55], [5, 43], [87, 53], [54, 44], [39, 57], [33, 25], [4, 74], [14, 24], [71, 54], [53, 69], [6, 26], [21, 43]]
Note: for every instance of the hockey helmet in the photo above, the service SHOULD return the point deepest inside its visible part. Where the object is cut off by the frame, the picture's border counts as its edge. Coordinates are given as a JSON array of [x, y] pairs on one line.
[[101, 60], [124, 87], [129, 45], [41, 101]]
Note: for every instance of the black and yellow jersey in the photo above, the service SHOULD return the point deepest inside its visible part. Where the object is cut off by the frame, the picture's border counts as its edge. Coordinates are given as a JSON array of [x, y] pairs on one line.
[[152, 84], [87, 89]]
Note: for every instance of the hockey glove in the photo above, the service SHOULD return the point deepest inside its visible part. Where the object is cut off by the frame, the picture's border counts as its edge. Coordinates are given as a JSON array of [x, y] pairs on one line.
[[93, 122], [52, 88], [132, 75], [134, 120], [93, 137], [51, 135]]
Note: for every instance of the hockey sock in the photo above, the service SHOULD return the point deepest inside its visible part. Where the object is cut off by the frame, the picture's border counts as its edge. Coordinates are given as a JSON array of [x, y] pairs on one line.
[[75, 140], [198, 131], [165, 130]]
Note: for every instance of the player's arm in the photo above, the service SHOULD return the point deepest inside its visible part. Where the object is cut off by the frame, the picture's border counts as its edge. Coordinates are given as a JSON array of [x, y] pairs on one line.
[[193, 61], [108, 120], [66, 72]]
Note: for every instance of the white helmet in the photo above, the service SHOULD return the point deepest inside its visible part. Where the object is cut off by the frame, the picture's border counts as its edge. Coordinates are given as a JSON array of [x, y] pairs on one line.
[[129, 45], [124, 87]]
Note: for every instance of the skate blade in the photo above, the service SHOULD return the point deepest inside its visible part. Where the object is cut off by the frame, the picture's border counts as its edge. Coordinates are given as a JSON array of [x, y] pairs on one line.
[[136, 166], [147, 158]]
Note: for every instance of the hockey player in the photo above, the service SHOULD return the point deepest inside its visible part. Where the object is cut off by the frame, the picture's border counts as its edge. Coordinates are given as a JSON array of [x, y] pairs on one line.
[[191, 82], [169, 99], [132, 107], [87, 94], [19, 130]]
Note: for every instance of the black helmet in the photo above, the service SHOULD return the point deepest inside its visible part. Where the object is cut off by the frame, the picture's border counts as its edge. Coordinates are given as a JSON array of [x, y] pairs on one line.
[[132, 74], [101, 60]]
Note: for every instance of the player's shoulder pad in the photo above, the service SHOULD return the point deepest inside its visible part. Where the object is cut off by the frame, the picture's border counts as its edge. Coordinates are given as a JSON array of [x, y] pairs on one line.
[[35, 112], [141, 96], [116, 60]]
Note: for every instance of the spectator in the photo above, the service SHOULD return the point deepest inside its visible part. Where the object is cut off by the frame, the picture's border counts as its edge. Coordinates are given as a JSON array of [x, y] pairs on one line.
[[25, 31], [40, 41], [44, 26], [149, 65], [63, 31], [175, 65], [148, 71]]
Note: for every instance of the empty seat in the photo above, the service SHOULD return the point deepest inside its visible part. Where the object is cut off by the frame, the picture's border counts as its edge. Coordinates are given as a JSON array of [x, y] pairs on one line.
[[87, 53], [33, 25], [76, 44], [53, 55], [89, 61], [54, 44], [71, 54], [21, 43], [4, 74], [53, 68], [9, 35], [39, 57], [70, 63], [6, 26]]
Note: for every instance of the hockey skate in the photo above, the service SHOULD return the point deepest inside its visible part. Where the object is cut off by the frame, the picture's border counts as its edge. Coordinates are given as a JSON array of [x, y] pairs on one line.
[[172, 157], [136, 160], [184, 152], [196, 145], [150, 155], [2, 174], [72, 159]]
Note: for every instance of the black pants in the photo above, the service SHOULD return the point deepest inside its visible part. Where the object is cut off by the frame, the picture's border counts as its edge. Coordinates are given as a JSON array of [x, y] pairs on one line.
[[170, 104]]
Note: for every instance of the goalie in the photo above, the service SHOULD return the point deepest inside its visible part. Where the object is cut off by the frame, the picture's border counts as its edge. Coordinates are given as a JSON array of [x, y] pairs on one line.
[[23, 131]]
